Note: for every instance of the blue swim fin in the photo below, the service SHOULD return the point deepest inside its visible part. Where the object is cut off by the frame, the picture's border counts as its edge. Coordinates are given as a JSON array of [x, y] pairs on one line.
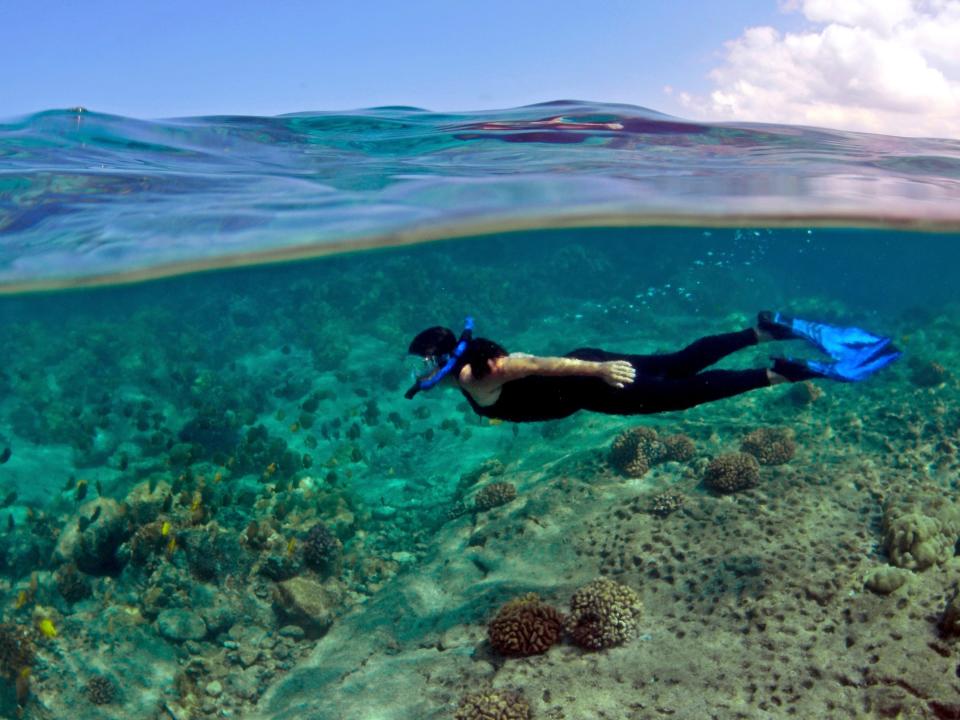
[[840, 343], [857, 354]]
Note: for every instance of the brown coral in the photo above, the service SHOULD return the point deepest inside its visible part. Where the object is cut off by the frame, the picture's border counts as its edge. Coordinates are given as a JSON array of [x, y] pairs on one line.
[[732, 472], [666, 502], [679, 448], [525, 626], [493, 705], [494, 495], [603, 613], [771, 446], [635, 450]]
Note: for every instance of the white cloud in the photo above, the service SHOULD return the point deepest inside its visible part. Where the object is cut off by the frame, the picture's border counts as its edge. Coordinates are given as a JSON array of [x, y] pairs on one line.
[[890, 66]]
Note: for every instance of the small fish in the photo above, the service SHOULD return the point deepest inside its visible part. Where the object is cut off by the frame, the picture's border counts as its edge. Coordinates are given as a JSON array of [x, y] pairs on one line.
[[5, 455], [165, 529], [71, 481], [291, 546], [47, 628], [22, 599], [95, 515], [99, 488], [218, 477], [167, 503], [172, 546], [9, 500], [81, 492], [197, 501]]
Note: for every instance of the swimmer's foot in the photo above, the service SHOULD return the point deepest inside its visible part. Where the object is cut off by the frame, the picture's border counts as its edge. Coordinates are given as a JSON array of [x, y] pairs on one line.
[[855, 367], [774, 326], [795, 370]]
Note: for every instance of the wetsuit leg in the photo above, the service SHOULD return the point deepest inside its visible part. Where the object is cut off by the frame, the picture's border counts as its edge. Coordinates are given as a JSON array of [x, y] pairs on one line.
[[697, 356], [651, 394], [692, 359]]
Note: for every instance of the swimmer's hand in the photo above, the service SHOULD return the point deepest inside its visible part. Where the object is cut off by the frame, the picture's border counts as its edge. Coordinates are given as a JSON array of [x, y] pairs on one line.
[[617, 373]]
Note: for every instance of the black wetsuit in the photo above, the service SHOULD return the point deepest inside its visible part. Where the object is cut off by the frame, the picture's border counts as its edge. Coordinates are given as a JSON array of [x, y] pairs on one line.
[[665, 382]]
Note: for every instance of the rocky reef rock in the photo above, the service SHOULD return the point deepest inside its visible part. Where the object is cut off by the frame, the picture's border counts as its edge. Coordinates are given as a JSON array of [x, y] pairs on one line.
[[181, 625], [921, 530], [308, 603], [886, 580]]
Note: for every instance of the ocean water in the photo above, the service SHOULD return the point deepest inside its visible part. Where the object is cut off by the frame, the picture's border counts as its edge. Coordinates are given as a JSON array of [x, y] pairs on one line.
[[216, 502]]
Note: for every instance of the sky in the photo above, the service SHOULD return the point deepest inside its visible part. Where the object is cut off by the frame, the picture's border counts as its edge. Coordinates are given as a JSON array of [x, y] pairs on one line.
[[876, 65]]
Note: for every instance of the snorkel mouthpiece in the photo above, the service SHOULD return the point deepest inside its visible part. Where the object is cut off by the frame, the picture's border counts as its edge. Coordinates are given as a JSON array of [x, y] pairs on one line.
[[431, 380]]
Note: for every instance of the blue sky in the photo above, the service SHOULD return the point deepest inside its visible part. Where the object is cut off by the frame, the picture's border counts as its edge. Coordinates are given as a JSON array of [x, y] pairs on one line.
[[172, 58]]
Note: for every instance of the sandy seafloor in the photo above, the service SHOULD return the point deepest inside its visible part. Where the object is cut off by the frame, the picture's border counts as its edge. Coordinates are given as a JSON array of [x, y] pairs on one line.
[[175, 445]]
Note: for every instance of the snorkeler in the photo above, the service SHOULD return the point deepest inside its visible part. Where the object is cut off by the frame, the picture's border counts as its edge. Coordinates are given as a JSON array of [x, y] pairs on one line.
[[524, 388]]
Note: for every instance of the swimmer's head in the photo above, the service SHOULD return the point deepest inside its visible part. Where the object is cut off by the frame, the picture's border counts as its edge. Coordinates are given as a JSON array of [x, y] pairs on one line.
[[433, 343]]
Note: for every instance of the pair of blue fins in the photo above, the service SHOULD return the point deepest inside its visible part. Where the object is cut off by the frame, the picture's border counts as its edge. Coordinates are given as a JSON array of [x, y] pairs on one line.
[[855, 353]]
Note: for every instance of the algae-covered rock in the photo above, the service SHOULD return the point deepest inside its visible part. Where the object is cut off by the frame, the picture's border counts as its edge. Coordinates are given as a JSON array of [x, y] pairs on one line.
[[308, 603], [180, 625], [885, 580], [921, 530]]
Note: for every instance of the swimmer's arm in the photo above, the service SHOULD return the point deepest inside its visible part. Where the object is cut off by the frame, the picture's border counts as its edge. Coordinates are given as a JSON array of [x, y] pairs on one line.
[[519, 365]]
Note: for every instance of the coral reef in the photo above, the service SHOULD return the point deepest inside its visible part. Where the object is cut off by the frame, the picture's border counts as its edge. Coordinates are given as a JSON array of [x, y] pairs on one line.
[[101, 690], [770, 446], [493, 705], [732, 472], [603, 614], [321, 548], [886, 580], [666, 502], [16, 650], [921, 529], [71, 584], [494, 495], [525, 626], [636, 450]]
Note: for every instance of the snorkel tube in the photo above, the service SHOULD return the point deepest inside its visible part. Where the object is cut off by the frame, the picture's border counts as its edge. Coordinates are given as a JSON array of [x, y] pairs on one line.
[[433, 378]]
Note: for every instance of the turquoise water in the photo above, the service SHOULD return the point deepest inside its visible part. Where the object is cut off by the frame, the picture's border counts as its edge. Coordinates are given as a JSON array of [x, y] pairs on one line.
[[169, 448]]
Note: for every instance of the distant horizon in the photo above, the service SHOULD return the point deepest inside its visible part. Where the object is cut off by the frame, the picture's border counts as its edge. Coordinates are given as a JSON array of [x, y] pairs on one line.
[[883, 66]]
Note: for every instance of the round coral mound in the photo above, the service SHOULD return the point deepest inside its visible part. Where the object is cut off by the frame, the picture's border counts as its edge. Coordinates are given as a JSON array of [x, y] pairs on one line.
[[494, 495], [603, 614], [771, 446], [321, 549], [493, 705], [679, 448], [635, 450], [101, 690], [732, 472], [525, 626]]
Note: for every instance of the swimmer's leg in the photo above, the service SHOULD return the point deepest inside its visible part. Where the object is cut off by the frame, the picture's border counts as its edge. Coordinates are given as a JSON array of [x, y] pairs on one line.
[[697, 356], [654, 395]]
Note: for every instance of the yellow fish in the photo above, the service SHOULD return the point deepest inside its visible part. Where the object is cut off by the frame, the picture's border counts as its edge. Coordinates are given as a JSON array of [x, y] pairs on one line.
[[47, 628], [165, 529], [22, 599], [291, 546]]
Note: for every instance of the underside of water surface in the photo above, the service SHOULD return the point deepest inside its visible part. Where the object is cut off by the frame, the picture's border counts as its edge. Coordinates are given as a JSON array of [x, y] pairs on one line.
[[216, 502]]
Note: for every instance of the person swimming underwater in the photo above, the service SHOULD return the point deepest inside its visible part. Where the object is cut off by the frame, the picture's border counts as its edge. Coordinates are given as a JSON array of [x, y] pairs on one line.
[[518, 387]]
